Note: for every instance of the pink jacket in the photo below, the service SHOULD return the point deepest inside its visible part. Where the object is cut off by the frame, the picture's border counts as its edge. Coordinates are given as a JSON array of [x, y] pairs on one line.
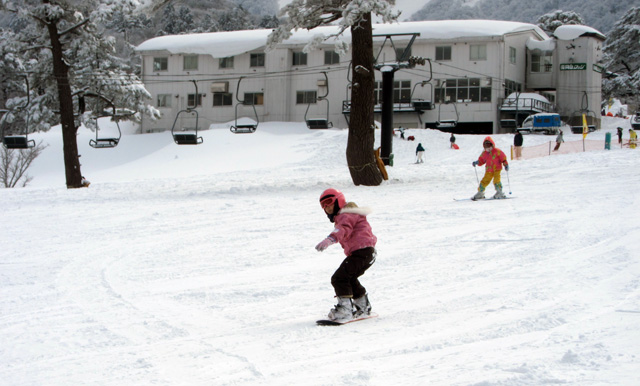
[[494, 159], [352, 230]]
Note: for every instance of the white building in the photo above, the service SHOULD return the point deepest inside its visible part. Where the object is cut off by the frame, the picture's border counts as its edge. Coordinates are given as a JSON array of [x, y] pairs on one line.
[[473, 66]]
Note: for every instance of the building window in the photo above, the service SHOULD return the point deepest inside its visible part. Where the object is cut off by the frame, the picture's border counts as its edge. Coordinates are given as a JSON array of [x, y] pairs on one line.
[[256, 60], [306, 97], [512, 55], [222, 99], [478, 52], [331, 57], [443, 53], [161, 64], [253, 98], [463, 90], [190, 62], [226, 62], [164, 100], [401, 91], [510, 87], [299, 59], [194, 100], [541, 62]]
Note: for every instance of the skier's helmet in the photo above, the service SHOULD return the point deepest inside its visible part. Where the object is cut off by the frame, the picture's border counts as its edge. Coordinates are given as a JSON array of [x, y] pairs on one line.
[[330, 196]]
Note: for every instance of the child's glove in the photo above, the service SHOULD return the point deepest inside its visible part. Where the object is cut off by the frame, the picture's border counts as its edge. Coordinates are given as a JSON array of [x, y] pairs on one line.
[[506, 167], [324, 244], [474, 163]]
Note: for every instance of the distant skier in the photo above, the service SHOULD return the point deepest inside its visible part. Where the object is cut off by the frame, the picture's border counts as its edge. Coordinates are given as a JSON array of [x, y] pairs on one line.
[[494, 158], [419, 153], [559, 140], [633, 138], [620, 135], [353, 232], [452, 141]]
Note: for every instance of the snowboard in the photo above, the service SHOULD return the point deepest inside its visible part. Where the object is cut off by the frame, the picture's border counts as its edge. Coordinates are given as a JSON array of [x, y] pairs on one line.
[[328, 322]]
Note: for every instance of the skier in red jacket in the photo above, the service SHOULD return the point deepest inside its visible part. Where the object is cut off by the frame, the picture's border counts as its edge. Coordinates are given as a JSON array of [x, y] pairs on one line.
[[494, 158]]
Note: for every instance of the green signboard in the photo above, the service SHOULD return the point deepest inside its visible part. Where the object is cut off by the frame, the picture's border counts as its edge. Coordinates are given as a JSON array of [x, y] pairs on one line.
[[573, 66]]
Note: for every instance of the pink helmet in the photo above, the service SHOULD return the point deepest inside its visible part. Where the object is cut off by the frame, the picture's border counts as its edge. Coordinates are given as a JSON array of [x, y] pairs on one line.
[[330, 196]]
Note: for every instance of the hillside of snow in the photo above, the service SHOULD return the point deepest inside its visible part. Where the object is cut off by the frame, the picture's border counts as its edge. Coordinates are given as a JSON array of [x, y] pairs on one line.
[[195, 265]]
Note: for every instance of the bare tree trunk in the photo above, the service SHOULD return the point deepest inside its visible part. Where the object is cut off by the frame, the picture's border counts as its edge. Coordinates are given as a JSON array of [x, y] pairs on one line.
[[360, 156], [69, 129]]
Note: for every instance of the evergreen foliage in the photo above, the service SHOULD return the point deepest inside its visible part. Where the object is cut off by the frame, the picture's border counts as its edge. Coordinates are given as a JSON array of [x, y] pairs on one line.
[[598, 14], [622, 58]]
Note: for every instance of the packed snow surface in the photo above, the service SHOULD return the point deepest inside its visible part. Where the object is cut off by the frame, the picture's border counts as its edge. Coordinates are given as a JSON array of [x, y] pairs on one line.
[[195, 265]]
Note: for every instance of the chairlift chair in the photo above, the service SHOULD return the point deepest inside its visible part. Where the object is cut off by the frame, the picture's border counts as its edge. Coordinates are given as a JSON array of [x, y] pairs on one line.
[[244, 128], [576, 117], [321, 122], [20, 141], [576, 121], [188, 135], [447, 123], [421, 104], [106, 142]]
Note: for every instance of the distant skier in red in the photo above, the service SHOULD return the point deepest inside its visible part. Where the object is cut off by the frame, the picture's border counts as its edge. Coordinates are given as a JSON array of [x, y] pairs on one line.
[[494, 158], [353, 232]]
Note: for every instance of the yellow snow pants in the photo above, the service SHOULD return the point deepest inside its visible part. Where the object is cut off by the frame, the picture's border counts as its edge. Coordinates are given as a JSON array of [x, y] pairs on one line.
[[486, 180]]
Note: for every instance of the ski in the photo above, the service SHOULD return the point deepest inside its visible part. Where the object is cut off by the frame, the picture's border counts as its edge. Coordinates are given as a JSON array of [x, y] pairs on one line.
[[327, 322], [482, 199]]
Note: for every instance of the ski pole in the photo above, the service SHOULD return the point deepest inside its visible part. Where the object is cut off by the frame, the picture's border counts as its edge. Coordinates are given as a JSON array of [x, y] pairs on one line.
[[509, 181], [476, 170]]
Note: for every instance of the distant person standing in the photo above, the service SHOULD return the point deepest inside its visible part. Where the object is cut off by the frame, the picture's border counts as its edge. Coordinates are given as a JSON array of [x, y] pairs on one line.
[[633, 138], [452, 140], [620, 135], [401, 132], [517, 144], [559, 140], [419, 154]]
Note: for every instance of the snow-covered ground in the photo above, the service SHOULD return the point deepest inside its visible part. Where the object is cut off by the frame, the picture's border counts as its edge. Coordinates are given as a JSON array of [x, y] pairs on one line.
[[195, 265]]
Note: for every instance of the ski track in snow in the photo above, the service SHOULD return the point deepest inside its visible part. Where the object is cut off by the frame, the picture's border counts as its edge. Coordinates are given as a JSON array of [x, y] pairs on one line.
[[203, 272]]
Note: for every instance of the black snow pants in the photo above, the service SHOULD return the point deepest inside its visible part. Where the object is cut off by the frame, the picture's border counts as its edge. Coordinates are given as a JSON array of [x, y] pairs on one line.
[[345, 279]]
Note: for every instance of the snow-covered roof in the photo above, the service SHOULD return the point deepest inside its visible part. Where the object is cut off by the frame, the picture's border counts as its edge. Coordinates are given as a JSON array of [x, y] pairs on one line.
[[527, 95], [547, 45], [225, 44], [570, 32]]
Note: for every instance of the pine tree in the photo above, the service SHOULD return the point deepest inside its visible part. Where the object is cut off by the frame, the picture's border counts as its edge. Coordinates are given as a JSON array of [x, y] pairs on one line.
[[549, 22], [65, 55], [622, 58], [356, 16]]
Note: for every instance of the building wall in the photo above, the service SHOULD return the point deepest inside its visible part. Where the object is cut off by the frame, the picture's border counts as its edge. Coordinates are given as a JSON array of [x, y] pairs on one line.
[[279, 80]]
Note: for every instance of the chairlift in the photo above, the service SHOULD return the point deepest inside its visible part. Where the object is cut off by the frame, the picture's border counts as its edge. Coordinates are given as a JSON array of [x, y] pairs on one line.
[[323, 122], [447, 123], [576, 117], [421, 104], [244, 128], [106, 142], [188, 135], [20, 141]]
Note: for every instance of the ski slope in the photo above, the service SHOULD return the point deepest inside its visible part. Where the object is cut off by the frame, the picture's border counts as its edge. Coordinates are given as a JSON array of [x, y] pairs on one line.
[[195, 265]]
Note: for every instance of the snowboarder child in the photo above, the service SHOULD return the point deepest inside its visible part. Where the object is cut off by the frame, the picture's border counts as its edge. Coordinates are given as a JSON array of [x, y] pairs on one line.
[[494, 158], [353, 232]]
